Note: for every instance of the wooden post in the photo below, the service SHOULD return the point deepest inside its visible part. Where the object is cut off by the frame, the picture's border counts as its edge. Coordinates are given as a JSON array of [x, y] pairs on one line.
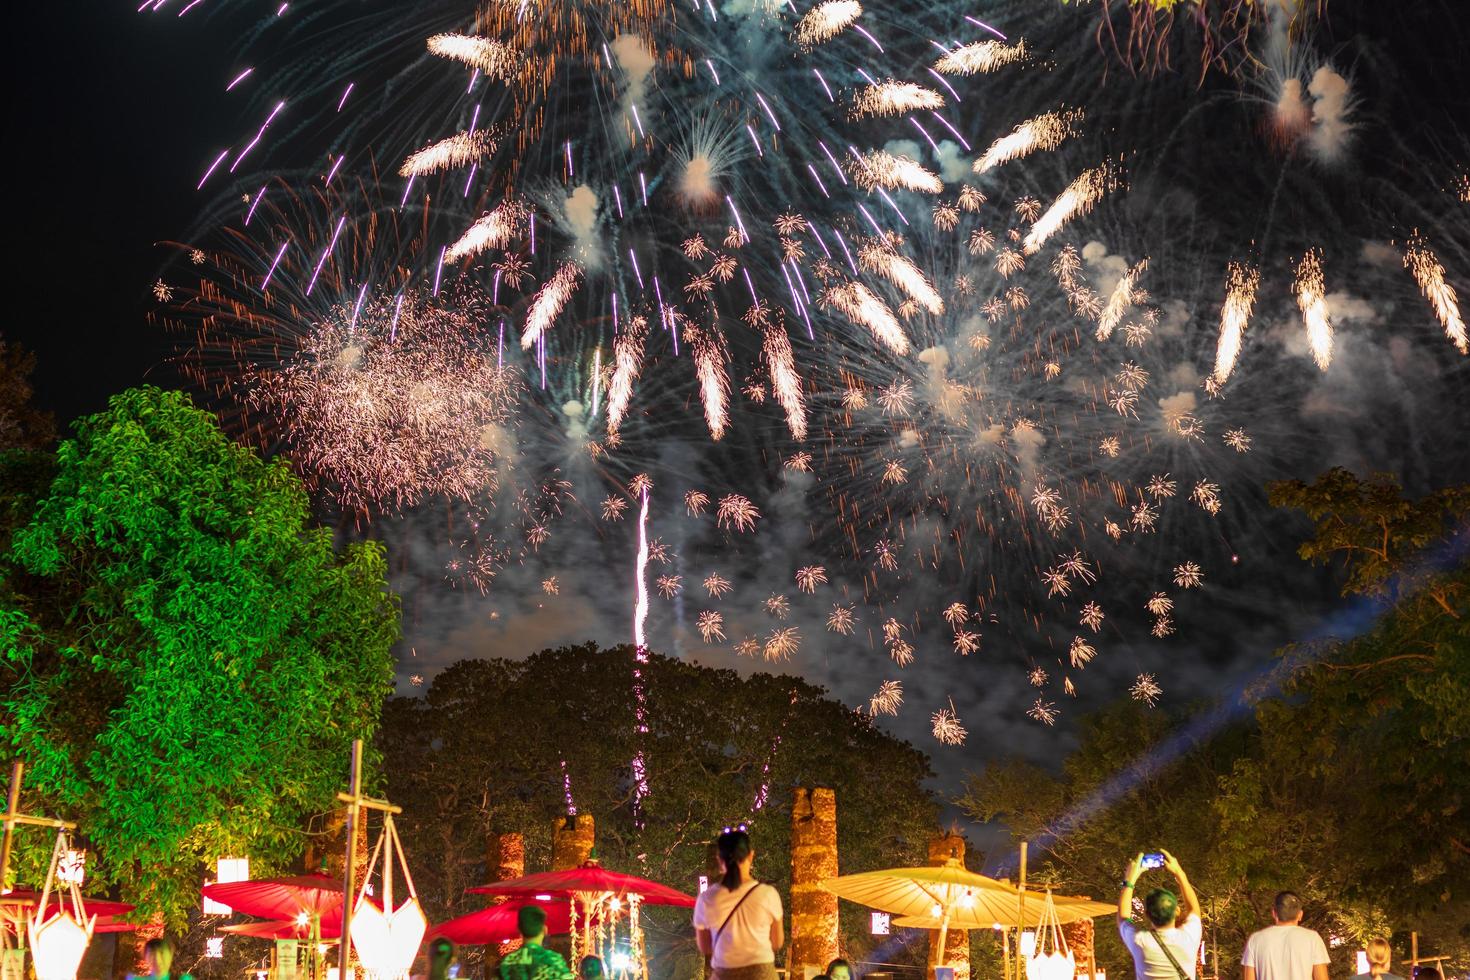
[[813, 860], [14, 818], [356, 803], [505, 860], [573, 839], [1021, 916]]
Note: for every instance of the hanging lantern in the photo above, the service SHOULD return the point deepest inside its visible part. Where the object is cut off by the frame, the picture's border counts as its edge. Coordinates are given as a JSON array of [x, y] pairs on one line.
[[1050, 959], [388, 939], [59, 942]]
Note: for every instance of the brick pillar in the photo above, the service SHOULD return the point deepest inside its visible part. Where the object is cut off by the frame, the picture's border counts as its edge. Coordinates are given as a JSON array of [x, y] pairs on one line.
[[572, 840], [956, 941], [152, 929], [1079, 937], [813, 859]]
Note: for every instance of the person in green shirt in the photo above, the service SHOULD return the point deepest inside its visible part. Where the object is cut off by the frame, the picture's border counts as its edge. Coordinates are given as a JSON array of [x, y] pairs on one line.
[[533, 961]]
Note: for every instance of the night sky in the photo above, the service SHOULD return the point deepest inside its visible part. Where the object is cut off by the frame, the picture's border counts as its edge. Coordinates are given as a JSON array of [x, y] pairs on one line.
[[118, 114]]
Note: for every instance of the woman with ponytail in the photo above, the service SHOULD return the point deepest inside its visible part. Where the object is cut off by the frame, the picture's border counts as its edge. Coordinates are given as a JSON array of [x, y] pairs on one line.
[[737, 921], [1379, 956]]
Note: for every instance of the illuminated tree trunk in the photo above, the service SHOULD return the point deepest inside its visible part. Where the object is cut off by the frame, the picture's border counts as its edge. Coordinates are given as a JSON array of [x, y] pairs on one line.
[[956, 941], [1079, 937], [505, 859], [572, 840], [152, 929], [813, 859]]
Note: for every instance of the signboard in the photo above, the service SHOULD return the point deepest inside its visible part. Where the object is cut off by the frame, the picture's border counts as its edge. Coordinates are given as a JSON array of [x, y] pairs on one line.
[[881, 924], [226, 870]]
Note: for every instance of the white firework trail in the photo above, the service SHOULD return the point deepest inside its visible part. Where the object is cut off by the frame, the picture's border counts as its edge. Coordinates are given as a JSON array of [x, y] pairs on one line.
[[714, 387], [785, 382], [893, 171], [549, 302], [1039, 133], [492, 58], [903, 273], [640, 654], [1235, 314], [894, 98], [1080, 197], [627, 362], [862, 306], [1422, 264], [1121, 298], [1312, 300], [494, 230], [457, 151], [825, 21], [983, 56]]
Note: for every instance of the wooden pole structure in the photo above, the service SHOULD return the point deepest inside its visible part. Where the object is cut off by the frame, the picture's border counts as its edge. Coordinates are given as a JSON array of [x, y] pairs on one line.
[[14, 818], [1021, 917], [356, 802]]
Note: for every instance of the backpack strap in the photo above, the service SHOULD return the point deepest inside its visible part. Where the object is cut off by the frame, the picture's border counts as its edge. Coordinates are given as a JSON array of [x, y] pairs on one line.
[[1165, 947]]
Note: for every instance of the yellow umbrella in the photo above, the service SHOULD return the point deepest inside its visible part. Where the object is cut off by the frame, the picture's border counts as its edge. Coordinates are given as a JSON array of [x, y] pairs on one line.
[[936, 893], [1005, 915]]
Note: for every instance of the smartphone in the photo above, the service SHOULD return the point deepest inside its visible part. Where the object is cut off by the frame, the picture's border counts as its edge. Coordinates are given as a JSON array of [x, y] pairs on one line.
[[1152, 861]]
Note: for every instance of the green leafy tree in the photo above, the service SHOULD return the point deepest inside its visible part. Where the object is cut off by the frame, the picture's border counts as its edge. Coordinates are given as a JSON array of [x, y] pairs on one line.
[[1349, 784], [493, 743], [186, 659]]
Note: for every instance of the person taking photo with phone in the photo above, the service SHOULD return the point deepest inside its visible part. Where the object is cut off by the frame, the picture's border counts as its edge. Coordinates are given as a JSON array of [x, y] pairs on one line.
[[1166, 945]]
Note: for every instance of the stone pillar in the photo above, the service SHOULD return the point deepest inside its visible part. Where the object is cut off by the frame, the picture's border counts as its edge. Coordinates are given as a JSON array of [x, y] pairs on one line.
[[505, 858], [572, 840], [813, 859], [152, 929], [1079, 936], [956, 941]]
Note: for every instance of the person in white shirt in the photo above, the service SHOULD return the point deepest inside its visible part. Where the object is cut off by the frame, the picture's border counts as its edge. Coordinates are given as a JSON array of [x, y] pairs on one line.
[[1285, 951], [738, 920], [1166, 947]]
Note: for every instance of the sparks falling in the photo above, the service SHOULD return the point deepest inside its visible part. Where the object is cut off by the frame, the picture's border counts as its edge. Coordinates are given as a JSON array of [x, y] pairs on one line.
[[1121, 298], [862, 306], [1422, 264], [1312, 300], [825, 21], [460, 150], [1080, 197], [1235, 314], [894, 98], [549, 302], [1039, 133], [983, 56]]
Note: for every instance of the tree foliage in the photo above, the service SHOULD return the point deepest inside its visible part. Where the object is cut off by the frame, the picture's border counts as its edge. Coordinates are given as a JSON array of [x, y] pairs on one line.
[[185, 658], [491, 744], [22, 425], [1348, 782]]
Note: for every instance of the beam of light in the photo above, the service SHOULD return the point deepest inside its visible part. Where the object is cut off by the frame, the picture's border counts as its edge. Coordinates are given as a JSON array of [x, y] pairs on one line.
[[239, 78], [321, 262], [1235, 314], [217, 161], [549, 301], [1080, 197], [640, 655], [1422, 264], [259, 134], [1119, 300], [825, 21], [280, 253], [1311, 299], [863, 307], [1043, 132], [627, 362], [448, 154], [345, 95], [494, 230], [982, 56], [259, 195]]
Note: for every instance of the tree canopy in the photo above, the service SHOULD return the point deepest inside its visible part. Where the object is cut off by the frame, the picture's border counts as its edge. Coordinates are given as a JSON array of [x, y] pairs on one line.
[[1347, 782], [184, 658], [494, 744]]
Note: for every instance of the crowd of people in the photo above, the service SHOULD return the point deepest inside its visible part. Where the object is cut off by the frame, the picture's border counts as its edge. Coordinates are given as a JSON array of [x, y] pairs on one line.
[[738, 927]]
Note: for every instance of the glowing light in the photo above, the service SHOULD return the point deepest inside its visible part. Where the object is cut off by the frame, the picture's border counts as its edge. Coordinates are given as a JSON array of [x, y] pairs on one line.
[[1235, 314], [1421, 262], [1311, 299]]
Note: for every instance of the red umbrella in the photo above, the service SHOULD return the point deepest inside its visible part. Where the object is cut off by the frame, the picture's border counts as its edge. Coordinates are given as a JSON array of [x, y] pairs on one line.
[[497, 924], [28, 899], [312, 896], [110, 924], [590, 877], [284, 929]]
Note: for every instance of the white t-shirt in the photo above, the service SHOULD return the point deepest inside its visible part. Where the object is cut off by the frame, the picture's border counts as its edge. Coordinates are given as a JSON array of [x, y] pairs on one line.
[[1284, 953], [1149, 961], [745, 939]]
